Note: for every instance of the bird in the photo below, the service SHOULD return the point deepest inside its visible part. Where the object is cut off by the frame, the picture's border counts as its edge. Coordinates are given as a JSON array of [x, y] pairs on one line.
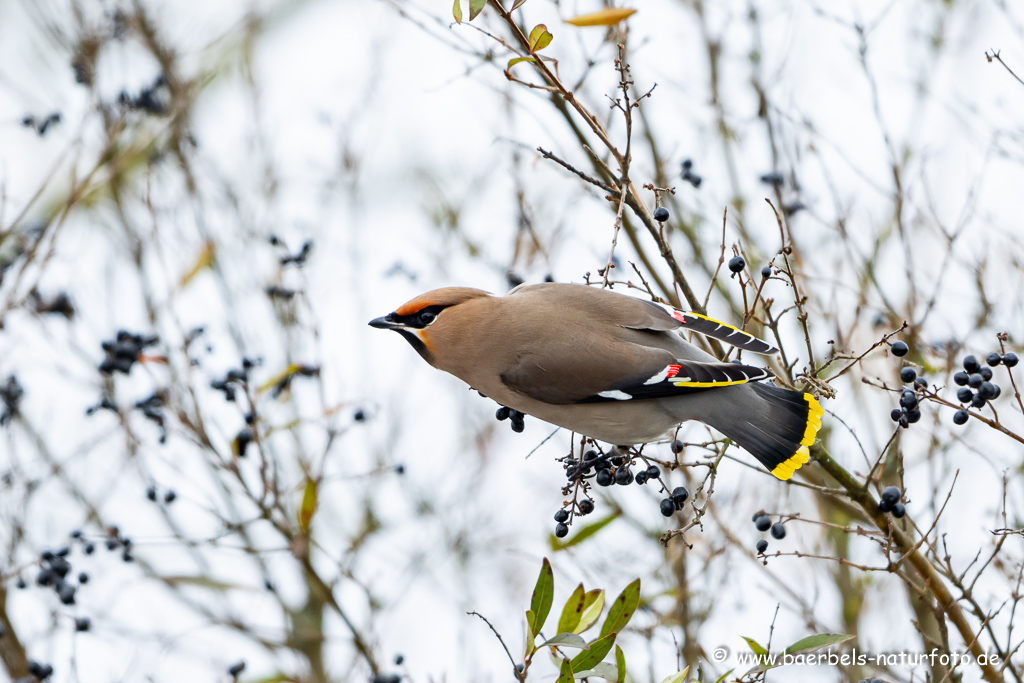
[[609, 366]]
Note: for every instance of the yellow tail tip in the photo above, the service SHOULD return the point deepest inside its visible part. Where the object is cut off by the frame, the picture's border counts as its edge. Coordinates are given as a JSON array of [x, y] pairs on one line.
[[784, 470]]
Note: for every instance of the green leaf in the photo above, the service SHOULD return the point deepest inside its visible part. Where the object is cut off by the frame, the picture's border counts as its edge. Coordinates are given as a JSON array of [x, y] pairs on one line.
[[811, 643], [593, 604], [602, 670], [584, 533], [565, 672], [517, 4], [308, 506], [723, 676], [620, 665], [573, 611], [755, 646], [475, 7], [539, 38], [588, 659], [678, 678], [457, 11], [543, 594], [516, 60], [567, 640], [621, 611]]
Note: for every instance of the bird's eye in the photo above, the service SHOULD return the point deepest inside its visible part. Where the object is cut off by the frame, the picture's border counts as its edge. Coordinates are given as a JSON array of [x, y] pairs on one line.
[[426, 317]]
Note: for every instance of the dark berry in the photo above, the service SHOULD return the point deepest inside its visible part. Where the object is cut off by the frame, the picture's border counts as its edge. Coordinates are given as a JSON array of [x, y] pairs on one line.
[[561, 515], [561, 530], [908, 375], [623, 476], [668, 507], [604, 478], [1010, 360], [921, 383], [641, 477], [170, 496], [63, 551], [677, 446], [679, 495], [899, 348], [763, 523], [971, 364], [358, 416], [891, 494], [961, 378], [978, 401], [653, 472], [898, 510], [518, 426], [590, 455], [83, 578], [89, 548], [399, 659], [896, 414], [913, 416], [766, 272], [884, 505], [762, 545], [687, 165], [774, 178], [987, 391], [960, 417], [82, 624], [986, 373], [236, 669], [778, 530], [76, 534], [399, 468], [661, 214], [908, 400], [993, 359], [736, 264], [964, 395], [586, 506], [21, 583], [502, 413], [67, 594], [126, 556], [151, 493]]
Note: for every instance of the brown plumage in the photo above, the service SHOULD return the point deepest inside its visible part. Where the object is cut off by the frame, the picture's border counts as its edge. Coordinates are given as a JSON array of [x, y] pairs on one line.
[[610, 366]]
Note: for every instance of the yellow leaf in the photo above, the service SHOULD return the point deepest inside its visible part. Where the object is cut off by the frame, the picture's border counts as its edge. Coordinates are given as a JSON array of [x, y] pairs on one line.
[[606, 17], [278, 378], [207, 255], [539, 38], [513, 62], [457, 12], [308, 506]]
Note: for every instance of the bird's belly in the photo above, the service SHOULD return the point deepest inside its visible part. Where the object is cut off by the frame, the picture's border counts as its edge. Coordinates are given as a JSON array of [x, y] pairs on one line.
[[616, 423]]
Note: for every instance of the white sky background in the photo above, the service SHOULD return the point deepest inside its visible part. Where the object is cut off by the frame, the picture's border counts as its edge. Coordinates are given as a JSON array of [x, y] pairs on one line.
[[466, 526]]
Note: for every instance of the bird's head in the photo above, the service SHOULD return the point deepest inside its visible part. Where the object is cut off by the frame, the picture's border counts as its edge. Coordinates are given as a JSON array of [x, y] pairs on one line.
[[420, 319]]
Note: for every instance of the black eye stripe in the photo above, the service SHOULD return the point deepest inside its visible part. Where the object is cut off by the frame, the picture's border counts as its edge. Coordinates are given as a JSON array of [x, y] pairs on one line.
[[421, 318]]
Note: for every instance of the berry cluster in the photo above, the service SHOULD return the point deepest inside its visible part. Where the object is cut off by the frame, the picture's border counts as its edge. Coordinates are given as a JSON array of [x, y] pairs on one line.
[[976, 389], [517, 418], [890, 502], [675, 502], [689, 176], [763, 522], [41, 124], [234, 379], [153, 495], [909, 412], [584, 507], [10, 396], [124, 350], [154, 99], [59, 304], [39, 671], [153, 410]]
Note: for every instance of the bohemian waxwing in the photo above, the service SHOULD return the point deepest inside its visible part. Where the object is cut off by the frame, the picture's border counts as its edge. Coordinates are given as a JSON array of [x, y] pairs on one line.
[[609, 366]]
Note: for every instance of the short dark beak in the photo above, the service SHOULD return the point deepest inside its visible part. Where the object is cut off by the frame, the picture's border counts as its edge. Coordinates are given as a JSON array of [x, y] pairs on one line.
[[385, 323]]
